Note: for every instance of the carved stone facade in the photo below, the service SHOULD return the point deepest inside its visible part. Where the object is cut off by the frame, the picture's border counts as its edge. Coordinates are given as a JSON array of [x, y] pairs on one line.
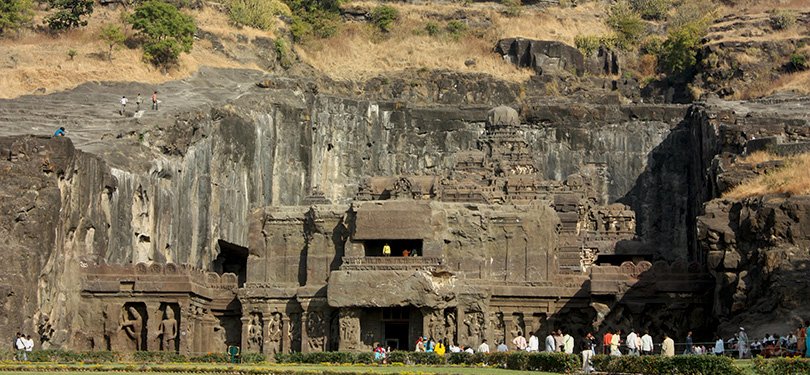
[[489, 251]]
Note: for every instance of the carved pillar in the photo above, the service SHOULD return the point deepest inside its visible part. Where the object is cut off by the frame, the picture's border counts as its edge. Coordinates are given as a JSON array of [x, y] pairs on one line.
[[349, 329], [245, 334], [154, 316], [208, 323], [266, 333], [185, 330], [304, 335], [461, 328], [286, 340]]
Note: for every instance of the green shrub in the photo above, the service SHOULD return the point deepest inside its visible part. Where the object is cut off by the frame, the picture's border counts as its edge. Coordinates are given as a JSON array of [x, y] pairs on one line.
[[64, 356], [517, 361], [781, 366], [425, 358], [364, 358], [651, 9], [166, 32], [15, 14], [587, 44], [798, 62], [113, 36], [456, 28], [158, 357], [253, 357], [783, 19], [289, 357], [553, 362], [283, 53], [211, 358], [658, 365], [678, 53], [318, 18], [384, 17], [627, 24], [457, 358], [69, 14], [260, 14], [499, 359], [398, 356], [72, 53], [513, 7], [432, 28], [690, 12]]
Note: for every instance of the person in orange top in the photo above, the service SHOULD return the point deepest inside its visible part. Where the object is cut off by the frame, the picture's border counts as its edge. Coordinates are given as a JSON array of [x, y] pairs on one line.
[[606, 342], [800, 336]]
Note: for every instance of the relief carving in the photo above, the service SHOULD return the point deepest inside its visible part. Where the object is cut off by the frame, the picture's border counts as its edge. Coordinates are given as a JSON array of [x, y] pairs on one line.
[[315, 331], [168, 330], [255, 335], [132, 322], [274, 333]]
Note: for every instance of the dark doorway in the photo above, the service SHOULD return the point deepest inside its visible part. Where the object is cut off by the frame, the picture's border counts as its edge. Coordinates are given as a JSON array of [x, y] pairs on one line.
[[374, 248], [396, 328], [231, 259]]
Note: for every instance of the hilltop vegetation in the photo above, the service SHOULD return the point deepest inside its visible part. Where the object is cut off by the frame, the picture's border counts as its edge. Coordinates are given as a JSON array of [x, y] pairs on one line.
[[58, 44]]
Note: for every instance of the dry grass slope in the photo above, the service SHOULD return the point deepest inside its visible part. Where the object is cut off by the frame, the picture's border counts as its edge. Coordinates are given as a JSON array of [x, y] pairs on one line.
[[792, 179]]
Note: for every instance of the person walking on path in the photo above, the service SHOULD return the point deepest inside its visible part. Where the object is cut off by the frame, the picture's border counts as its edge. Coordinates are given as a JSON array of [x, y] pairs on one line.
[[587, 346], [719, 346], [646, 343], [138, 101], [742, 343], [632, 347], [689, 344], [124, 102], [154, 101], [534, 344], [20, 346], [668, 347], [519, 341], [615, 341]]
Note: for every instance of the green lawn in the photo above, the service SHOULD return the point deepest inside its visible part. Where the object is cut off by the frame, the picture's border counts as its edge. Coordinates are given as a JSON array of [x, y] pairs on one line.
[[119, 369]]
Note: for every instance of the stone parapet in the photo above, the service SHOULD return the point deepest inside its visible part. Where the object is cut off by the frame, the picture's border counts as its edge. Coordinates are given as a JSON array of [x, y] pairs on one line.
[[155, 278], [391, 263]]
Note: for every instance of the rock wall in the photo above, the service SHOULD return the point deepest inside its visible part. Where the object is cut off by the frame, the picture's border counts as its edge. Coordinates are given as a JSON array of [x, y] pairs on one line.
[[174, 187]]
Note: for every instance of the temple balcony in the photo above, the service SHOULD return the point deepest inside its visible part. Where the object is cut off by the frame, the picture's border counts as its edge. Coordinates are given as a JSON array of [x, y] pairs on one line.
[[392, 263]]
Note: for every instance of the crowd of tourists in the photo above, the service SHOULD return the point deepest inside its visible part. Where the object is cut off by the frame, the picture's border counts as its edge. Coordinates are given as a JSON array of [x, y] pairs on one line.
[[23, 344], [634, 343]]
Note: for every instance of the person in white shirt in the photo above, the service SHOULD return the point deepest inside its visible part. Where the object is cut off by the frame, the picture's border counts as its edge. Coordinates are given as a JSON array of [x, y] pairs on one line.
[[551, 344], [646, 343], [124, 102], [454, 348], [632, 349], [520, 341], [469, 350], [719, 346], [534, 344], [29, 344], [568, 344], [20, 345], [615, 341], [484, 347]]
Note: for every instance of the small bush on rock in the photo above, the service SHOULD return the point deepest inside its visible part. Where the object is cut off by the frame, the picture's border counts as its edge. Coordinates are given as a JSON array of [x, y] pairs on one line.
[[798, 62], [627, 24], [587, 44], [783, 19], [456, 28], [260, 14], [384, 17]]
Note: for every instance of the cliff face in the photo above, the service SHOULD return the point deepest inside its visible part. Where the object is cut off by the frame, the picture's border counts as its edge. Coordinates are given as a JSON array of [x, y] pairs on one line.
[[176, 185]]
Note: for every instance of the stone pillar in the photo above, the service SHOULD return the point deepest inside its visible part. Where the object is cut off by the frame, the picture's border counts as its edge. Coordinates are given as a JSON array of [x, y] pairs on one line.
[[509, 329], [245, 321], [185, 330], [461, 329], [152, 320], [208, 323], [303, 330], [286, 341]]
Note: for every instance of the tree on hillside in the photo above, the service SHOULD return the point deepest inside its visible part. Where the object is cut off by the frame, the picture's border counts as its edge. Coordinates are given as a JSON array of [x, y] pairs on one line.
[[166, 32], [113, 36], [14, 14], [69, 14]]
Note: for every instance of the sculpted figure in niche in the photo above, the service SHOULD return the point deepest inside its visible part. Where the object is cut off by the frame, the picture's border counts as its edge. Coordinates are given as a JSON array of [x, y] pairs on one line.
[[349, 326], [274, 333], [221, 343], [315, 331], [474, 322], [255, 333], [168, 331], [450, 327], [132, 324]]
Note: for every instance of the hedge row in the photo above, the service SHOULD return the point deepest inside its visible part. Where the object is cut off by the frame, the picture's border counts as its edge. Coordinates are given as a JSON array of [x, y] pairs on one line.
[[657, 365], [65, 356], [553, 362], [182, 369], [782, 366]]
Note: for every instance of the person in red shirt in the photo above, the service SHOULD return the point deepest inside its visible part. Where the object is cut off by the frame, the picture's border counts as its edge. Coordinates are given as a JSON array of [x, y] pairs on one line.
[[606, 342]]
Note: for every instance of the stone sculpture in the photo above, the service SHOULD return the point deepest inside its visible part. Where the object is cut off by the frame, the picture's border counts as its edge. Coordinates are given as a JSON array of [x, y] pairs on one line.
[[132, 324], [168, 331]]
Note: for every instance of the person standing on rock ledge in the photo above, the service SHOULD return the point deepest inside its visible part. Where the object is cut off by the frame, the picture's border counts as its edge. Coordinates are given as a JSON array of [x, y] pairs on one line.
[[124, 102], [154, 101], [387, 250]]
